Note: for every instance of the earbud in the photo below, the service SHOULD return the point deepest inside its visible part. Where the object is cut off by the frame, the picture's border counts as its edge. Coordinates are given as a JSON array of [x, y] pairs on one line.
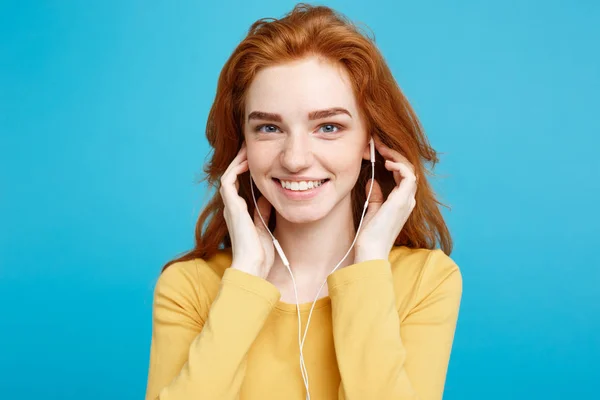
[[287, 264]]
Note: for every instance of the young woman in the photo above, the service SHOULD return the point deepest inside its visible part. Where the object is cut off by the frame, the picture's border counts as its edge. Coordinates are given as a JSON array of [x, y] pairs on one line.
[[314, 296]]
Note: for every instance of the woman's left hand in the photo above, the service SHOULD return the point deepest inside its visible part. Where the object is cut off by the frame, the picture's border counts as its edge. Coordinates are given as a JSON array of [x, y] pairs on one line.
[[384, 220]]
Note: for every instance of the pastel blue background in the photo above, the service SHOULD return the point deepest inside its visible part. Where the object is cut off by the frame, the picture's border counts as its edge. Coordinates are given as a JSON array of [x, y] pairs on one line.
[[102, 113]]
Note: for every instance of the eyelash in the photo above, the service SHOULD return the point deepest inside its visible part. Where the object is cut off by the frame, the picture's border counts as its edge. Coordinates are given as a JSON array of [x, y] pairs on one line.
[[339, 127]]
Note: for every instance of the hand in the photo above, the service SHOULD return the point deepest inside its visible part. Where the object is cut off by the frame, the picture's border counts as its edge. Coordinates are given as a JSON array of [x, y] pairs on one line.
[[252, 248], [384, 220]]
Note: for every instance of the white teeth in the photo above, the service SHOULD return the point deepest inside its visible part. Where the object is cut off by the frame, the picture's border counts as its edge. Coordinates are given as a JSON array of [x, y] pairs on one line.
[[300, 186]]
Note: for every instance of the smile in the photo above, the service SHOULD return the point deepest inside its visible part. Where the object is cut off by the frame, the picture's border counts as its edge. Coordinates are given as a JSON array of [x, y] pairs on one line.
[[301, 185], [302, 190]]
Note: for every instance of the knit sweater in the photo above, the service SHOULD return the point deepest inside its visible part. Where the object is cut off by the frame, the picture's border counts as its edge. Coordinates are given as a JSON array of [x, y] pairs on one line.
[[384, 331]]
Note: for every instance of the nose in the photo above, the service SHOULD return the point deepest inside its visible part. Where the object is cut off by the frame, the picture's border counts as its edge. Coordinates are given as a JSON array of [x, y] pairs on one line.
[[296, 154]]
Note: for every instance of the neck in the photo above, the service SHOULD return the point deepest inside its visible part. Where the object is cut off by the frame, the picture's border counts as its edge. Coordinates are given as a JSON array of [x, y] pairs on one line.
[[314, 249]]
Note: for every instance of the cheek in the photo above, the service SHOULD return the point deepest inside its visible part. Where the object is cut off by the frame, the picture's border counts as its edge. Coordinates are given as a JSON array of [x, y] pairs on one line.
[[259, 161], [253, 153], [346, 168]]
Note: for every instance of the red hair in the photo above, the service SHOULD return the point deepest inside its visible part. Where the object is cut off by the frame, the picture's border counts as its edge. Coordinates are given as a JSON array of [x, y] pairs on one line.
[[318, 31]]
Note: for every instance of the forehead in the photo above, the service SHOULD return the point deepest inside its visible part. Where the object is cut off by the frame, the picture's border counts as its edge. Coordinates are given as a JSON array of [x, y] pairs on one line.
[[294, 89]]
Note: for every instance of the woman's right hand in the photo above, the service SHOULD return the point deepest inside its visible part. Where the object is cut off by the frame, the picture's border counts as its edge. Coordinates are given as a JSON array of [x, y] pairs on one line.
[[252, 247]]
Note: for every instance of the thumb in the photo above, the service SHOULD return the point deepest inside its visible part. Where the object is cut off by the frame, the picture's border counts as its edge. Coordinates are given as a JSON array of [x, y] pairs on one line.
[[264, 207], [375, 201]]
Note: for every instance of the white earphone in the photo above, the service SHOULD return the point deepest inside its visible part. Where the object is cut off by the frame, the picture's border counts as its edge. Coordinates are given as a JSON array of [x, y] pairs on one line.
[[284, 259]]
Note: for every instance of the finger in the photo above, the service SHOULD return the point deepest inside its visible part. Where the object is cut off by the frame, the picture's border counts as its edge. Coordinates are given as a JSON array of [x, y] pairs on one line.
[[230, 185], [230, 177], [400, 199], [243, 167], [406, 183], [375, 200], [400, 171], [239, 158], [376, 194], [390, 166], [392, 155]]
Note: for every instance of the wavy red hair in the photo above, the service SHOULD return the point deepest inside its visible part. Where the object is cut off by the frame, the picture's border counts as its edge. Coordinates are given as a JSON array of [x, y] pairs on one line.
[[318, 31]]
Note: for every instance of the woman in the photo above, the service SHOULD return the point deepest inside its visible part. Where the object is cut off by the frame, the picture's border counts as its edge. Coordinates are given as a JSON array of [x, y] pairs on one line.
[[296, 106]]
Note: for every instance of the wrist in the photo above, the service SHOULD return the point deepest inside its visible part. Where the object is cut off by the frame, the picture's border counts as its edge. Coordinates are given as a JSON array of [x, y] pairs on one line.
[[368, 253], [249, 269], [362, 257]]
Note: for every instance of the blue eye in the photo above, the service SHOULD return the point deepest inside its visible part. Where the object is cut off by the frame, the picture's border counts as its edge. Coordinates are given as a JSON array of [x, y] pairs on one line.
[[333, 126], [259, 128]]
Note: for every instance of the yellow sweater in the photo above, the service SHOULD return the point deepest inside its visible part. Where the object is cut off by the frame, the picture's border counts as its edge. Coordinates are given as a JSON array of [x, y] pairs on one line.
[[384, 332]]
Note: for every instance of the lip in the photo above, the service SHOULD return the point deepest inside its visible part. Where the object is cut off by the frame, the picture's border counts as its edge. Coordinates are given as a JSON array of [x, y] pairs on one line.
[[303, 195], [300, 178]]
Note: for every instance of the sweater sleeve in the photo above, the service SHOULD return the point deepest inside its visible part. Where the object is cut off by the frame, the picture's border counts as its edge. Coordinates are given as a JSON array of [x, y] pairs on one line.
[[380, 357], [195, 359]]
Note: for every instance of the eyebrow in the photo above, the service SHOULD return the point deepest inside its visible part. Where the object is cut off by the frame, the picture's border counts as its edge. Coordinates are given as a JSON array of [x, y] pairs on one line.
[[313, 115]]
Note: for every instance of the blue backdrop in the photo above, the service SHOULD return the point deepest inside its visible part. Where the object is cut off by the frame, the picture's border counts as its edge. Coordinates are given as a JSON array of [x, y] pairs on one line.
[[102, 114]]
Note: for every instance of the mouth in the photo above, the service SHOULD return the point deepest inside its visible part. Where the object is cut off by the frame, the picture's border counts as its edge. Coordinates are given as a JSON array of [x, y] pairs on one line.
[[300, 190], [300, 186]]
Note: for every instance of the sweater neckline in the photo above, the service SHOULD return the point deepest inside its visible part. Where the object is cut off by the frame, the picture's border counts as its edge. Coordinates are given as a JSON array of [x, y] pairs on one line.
[[304, 307]]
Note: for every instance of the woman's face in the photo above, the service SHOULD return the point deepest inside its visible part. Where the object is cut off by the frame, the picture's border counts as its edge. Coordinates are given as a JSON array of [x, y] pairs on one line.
[[291, 137]]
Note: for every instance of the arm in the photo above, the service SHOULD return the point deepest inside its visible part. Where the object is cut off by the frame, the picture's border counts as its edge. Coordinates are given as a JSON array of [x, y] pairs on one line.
[[379, 356], [195, 359]]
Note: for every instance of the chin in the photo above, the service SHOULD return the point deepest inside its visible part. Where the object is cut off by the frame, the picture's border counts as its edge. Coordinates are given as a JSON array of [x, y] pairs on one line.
[[302, 215]]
